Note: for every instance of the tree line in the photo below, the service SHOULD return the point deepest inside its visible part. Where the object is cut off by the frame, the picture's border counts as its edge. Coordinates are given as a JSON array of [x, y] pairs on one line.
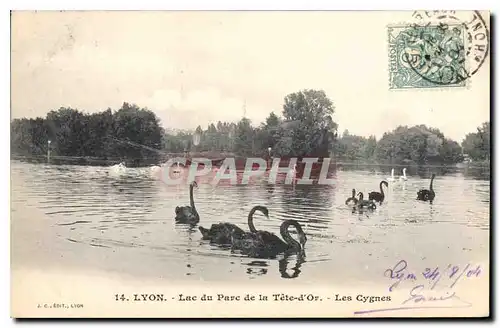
[[304, 128]]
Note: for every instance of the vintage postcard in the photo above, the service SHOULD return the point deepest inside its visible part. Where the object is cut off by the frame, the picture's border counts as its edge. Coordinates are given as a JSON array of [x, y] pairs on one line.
[[260, 164]]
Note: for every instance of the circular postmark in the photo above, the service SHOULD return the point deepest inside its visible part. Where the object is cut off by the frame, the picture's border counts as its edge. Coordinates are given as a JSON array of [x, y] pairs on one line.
[[446, 47]]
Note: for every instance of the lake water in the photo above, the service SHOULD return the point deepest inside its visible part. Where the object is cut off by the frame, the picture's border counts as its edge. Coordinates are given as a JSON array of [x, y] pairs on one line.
[[82, 218]]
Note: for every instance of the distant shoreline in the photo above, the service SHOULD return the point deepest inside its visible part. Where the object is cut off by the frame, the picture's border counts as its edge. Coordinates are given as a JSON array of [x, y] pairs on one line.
[[144, 162]]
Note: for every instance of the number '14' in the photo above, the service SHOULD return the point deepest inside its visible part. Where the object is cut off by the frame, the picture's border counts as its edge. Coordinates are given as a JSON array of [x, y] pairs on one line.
[[120, 297]]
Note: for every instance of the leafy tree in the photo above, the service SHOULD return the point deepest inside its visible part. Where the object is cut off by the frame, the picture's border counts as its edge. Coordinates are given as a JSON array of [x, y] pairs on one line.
[[451, 152], [418, 144], [272, 121], [477, 144], [29, 136], [127, 133], [244, 137], [268, 134], [63, 125], [308, 114], [355, 148]]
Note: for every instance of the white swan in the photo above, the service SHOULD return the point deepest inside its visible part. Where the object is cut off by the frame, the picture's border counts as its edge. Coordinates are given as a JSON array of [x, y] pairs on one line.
[[155, 169], [391, 178], [117, 169], [403, 177]]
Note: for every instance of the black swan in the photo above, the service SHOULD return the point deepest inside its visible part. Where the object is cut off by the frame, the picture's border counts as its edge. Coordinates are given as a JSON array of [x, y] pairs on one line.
[[188, 214], [352, 201], [378, 196], [220, 233], [365, 204], [266, 244], [427, 195]]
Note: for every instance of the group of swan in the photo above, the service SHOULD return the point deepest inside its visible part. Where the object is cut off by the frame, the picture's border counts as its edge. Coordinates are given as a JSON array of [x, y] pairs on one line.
[[423, 194], [256, 243], [375, 196], [401, 178], [118, 169]]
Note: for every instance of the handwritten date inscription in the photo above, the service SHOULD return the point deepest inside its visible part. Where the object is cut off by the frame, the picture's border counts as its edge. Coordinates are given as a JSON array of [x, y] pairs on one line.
[[450, 274]]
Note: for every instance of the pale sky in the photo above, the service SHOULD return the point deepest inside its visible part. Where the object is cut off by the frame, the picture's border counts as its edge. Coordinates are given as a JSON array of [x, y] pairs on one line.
[[193, 68]]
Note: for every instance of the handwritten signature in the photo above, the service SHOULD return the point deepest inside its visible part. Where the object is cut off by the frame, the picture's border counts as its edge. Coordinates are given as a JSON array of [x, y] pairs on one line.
[[435, 288], [419, 294]]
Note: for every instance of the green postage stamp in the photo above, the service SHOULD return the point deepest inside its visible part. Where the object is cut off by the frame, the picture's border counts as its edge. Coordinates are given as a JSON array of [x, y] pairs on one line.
[[427, 56]]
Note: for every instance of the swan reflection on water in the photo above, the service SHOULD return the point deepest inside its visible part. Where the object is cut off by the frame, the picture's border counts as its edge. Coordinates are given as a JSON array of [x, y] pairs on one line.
[[259, 268], [189, 231], [283, 266]]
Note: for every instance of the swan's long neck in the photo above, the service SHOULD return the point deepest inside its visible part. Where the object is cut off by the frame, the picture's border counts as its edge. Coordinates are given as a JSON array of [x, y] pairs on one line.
[[191, 199], [251, 226], [360, 197], [432, 182], [354, 193], [392, 173], [404, 173], [286, 234], [381, 189]]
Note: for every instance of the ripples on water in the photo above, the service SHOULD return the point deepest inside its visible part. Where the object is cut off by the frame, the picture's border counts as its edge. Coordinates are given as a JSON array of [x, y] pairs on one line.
[[132, 216]]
